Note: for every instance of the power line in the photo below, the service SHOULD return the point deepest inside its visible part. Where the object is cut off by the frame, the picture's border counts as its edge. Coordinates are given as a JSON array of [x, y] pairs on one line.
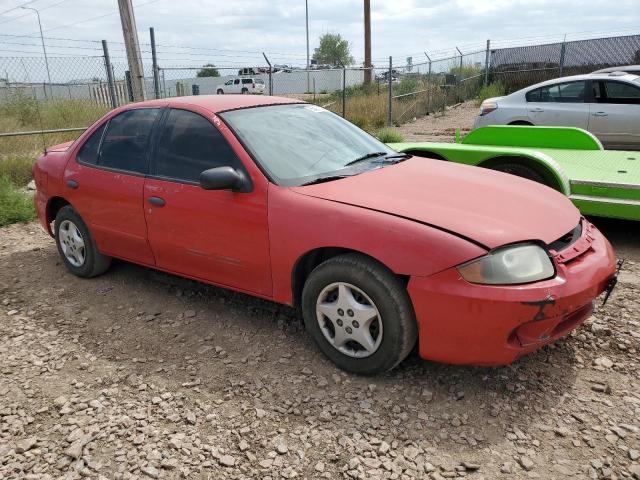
[[18, 6], [27, 14], [95, 18]]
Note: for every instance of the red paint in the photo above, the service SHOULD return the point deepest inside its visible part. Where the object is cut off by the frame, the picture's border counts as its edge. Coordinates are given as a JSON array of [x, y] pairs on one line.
[[420, 218]]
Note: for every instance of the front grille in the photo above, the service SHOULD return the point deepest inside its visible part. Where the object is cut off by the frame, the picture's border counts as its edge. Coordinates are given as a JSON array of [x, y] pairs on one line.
[[568, 239]]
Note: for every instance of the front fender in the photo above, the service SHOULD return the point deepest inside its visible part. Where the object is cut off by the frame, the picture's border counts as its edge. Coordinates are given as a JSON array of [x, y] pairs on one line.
[[299, 223]]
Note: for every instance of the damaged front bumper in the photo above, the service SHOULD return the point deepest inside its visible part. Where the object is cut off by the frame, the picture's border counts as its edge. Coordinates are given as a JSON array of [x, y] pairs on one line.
[[465, 323]]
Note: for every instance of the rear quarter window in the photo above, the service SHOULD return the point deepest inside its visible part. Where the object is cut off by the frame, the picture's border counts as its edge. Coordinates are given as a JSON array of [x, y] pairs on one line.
[[89, 151]]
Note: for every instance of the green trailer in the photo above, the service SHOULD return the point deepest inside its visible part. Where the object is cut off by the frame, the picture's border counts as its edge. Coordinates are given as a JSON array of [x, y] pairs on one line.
[[599, 182]]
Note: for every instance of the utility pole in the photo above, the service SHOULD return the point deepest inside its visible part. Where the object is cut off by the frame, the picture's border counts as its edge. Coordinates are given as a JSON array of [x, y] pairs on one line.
[[154, 60], [132, 46], [44, 50], [367, 42], [306, 17]]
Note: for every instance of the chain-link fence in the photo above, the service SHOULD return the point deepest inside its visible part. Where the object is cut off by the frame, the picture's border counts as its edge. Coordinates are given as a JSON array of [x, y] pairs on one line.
[[62, 93], [519, 67]]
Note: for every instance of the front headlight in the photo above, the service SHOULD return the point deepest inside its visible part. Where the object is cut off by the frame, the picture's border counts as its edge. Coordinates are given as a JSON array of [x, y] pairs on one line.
[[523, 263]]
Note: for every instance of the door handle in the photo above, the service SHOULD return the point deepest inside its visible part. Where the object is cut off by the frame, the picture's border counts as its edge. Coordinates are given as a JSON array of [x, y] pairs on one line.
[[537, 110], [157, 201], [600, 114]]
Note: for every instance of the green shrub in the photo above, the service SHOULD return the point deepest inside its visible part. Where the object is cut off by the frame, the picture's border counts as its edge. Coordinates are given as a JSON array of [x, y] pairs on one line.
[[495, 89], [17, 170], [389, 135], [406, 85], [15, 206]]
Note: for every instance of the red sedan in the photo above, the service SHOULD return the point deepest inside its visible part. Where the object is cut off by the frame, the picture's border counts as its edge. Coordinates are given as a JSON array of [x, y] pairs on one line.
[[289, 202]]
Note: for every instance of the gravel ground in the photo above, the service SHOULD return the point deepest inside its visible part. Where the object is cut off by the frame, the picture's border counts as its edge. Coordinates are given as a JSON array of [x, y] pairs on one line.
[[139, 374], [441, 127]]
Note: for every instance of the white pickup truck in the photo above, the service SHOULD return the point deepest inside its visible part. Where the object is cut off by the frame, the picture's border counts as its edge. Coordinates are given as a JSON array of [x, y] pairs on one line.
[[244, 85]]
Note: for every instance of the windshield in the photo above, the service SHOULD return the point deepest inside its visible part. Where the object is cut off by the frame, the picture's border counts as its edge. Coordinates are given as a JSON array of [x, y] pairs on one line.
[[299, 143]]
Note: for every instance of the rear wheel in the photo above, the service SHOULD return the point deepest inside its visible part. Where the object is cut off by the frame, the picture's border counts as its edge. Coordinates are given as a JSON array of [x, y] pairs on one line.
[[76, 246], [359, 314], [520, 171], [244, 91], [220, 91], [521, 122]]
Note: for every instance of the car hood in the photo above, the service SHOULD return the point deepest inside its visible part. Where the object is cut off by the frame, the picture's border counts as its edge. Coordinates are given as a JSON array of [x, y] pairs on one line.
[[490, 208]]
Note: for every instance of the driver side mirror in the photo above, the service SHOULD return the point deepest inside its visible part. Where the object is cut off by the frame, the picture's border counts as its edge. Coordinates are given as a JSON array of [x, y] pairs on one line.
[[225, 178]]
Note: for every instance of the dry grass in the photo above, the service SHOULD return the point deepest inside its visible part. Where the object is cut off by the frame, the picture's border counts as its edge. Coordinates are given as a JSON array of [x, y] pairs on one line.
[[21, 113]]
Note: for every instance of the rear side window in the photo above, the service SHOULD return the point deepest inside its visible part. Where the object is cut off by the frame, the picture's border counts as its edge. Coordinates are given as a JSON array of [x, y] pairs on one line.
[[189, 145], [89, 151], [125, 142], [247, 80], [571, 92], [620, 93]]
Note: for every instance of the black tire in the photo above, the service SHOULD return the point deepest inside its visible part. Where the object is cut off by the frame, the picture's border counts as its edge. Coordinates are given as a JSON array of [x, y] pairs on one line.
[[520, 171], [94, 263], [522, 123], [389, 296], [220, 91], [244, 91]]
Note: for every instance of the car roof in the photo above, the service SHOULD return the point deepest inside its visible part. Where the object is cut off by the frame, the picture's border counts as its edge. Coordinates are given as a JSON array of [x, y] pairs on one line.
[[625, 68], [217, 103], [629, 77]]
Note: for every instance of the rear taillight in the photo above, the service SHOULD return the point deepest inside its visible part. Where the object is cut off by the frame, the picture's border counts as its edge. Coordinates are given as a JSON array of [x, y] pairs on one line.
[[253, 85], [488, 107]]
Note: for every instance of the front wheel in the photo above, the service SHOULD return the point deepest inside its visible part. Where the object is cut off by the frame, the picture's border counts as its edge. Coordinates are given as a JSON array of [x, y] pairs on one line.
[[245, 91], [76, 246], [220, 91], [359, 314]]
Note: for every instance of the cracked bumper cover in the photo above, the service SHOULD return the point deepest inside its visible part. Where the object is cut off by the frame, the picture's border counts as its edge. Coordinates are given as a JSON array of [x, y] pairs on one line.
[[465, 323]]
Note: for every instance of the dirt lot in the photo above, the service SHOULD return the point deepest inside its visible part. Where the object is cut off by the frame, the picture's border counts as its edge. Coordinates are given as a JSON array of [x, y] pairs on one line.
[[138, 374]]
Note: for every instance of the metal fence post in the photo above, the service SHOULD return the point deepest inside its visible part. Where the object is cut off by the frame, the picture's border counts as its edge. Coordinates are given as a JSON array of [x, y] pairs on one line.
[[109, 68], [428, 84], [154, 59], [461, 76], [562, 50], [390, 112], [270, 73], [344, 91], [486, 63]]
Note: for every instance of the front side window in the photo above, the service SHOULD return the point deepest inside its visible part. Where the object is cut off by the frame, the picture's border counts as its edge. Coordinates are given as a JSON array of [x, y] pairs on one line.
[[620, 93], [124, 146], [299, 143], [571, 92], [89, 151], [189, 145], [229, 82], [236, 82]]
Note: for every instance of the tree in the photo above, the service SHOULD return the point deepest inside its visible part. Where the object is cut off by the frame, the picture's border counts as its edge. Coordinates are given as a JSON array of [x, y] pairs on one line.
[[333, 50], [208, 70]]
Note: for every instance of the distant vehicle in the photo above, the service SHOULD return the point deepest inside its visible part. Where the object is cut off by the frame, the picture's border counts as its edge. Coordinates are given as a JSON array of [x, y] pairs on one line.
[[384, 76], [605, 104], [282, 68], [243, 72], [242, 85], [634, 69]]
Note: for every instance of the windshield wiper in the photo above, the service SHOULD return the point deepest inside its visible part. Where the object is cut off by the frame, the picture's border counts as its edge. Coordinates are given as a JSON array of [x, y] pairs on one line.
[[398, 156], [325, 179], [365, 157]]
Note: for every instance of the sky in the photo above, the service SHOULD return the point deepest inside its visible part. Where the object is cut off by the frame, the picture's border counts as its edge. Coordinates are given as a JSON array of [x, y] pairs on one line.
[[191, 32]]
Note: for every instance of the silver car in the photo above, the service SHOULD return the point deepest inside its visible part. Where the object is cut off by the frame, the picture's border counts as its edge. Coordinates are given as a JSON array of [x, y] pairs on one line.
[[605, 104]]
